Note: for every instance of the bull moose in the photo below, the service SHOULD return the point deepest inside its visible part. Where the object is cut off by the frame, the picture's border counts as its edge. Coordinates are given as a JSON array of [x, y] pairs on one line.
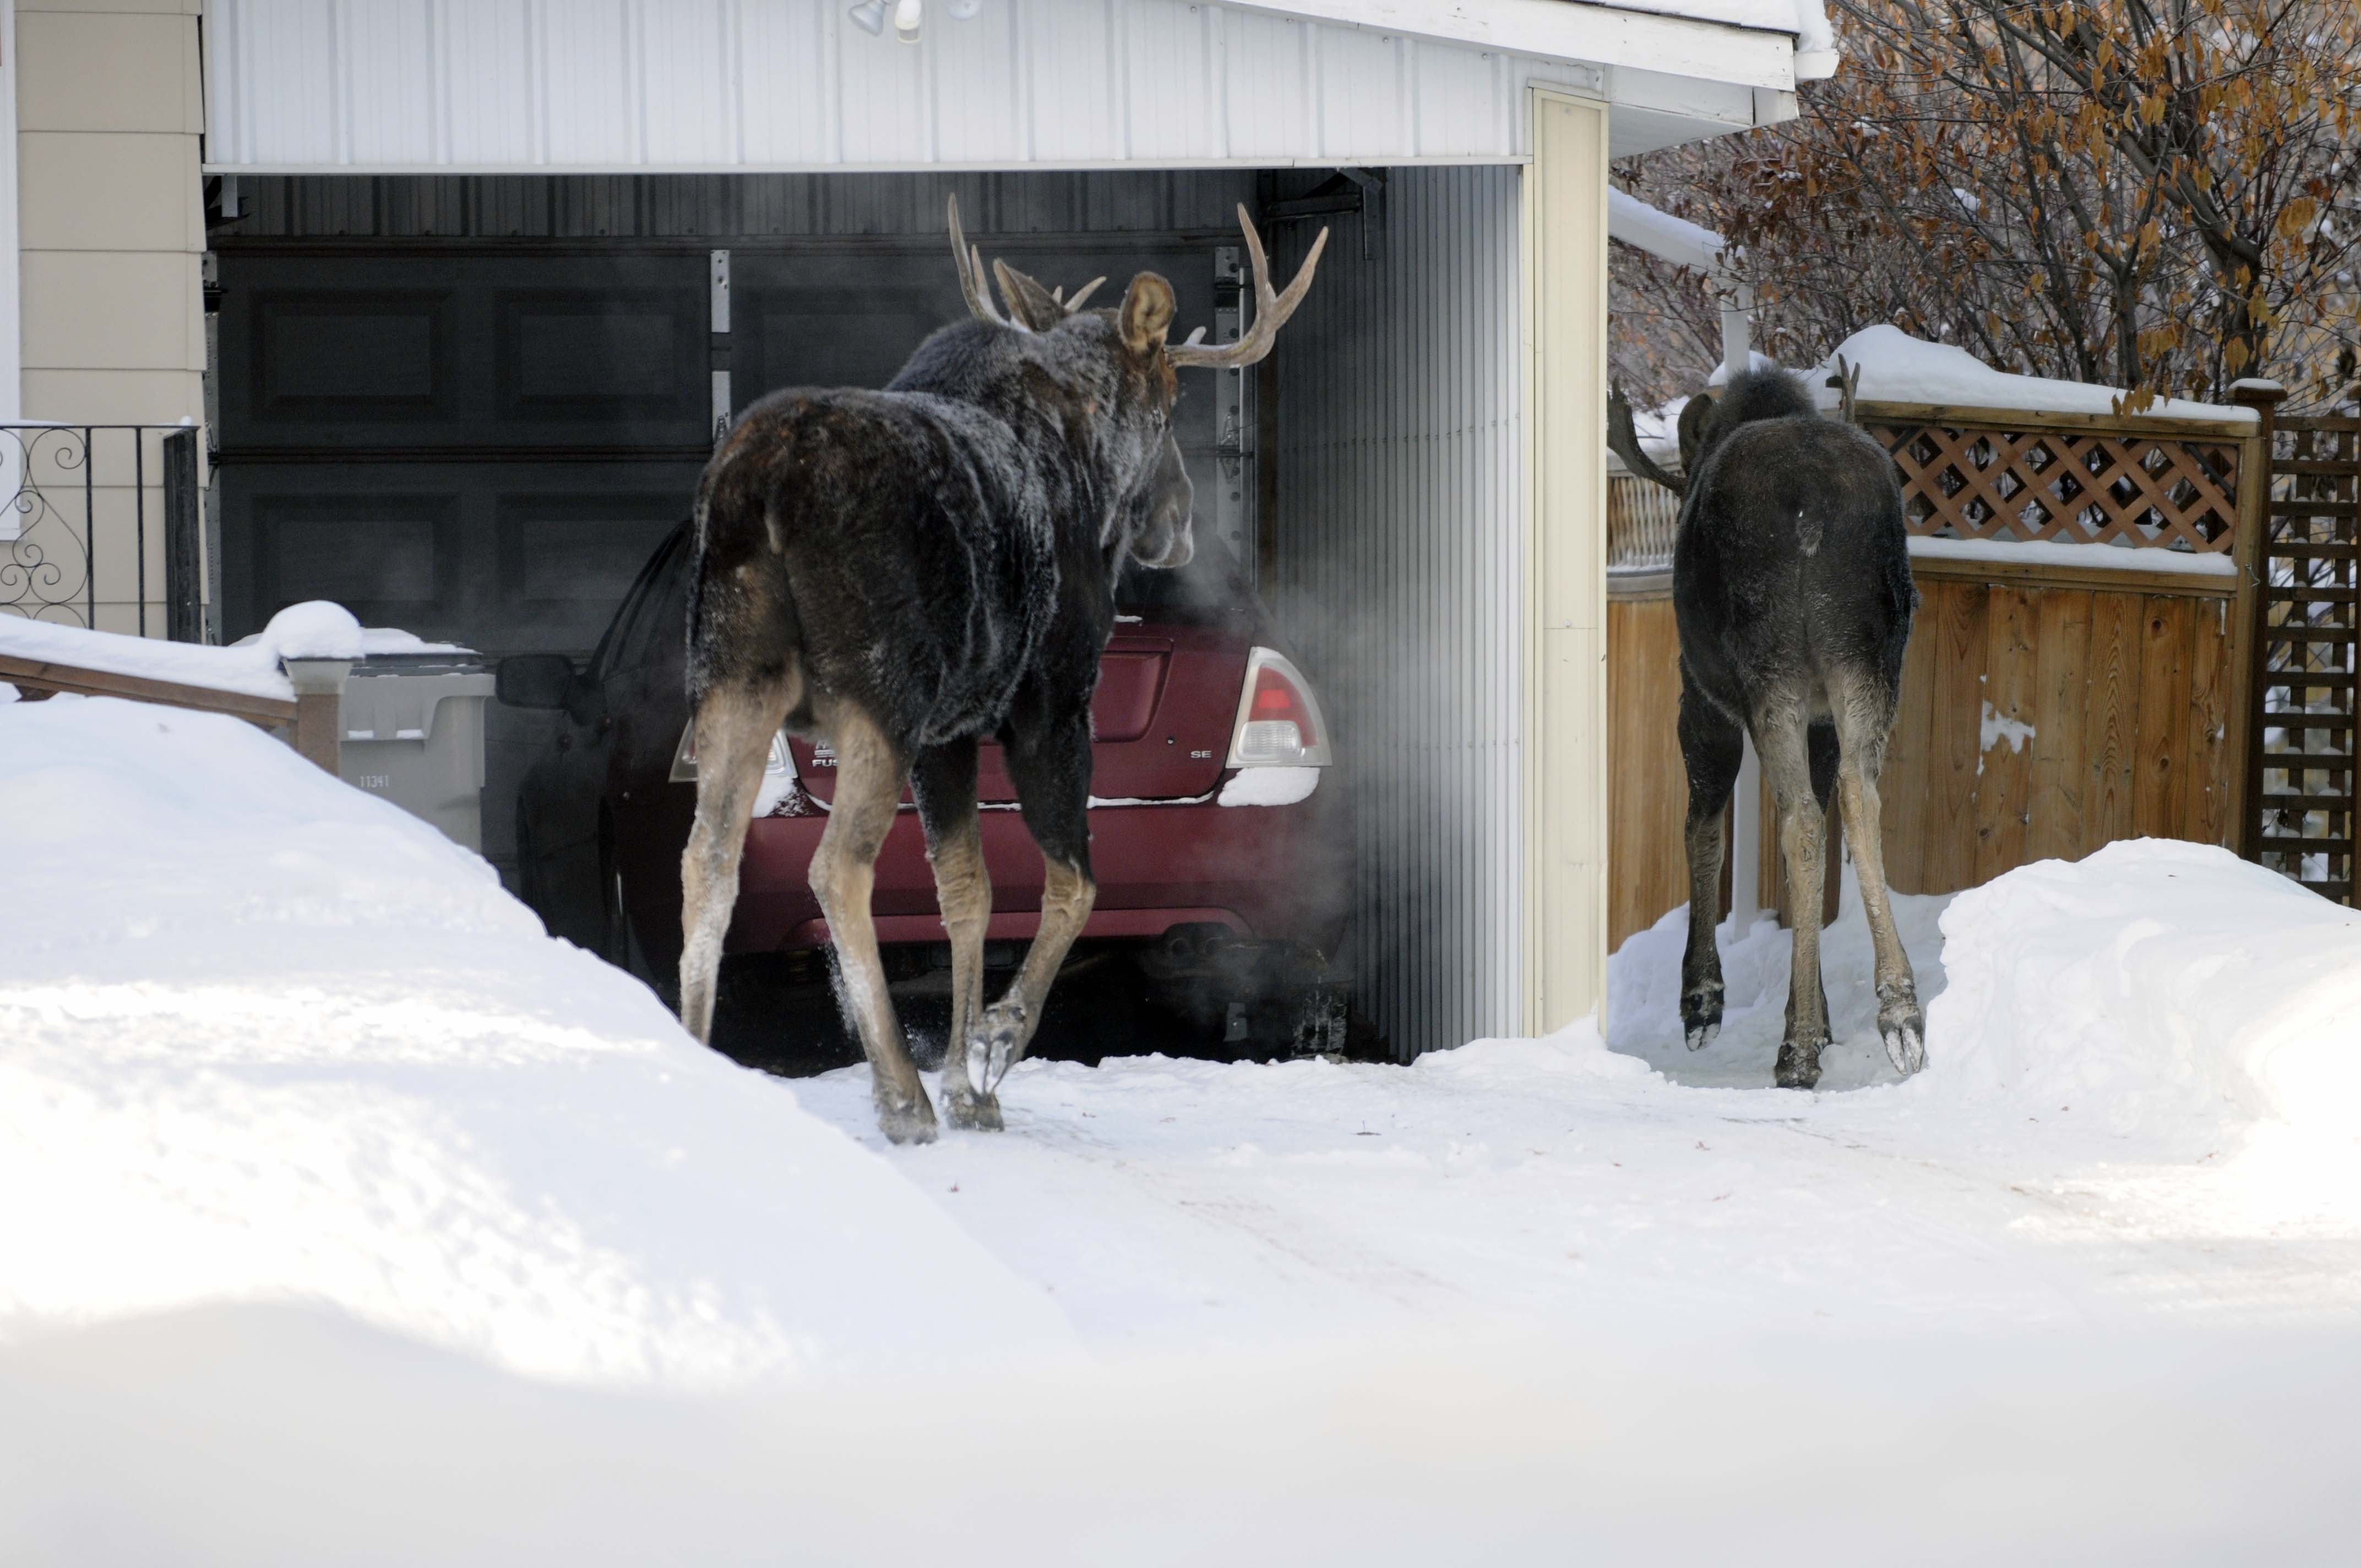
[[904, 573]]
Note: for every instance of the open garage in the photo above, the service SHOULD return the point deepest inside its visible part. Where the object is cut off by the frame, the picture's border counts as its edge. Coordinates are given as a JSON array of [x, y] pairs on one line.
[[469, 362]]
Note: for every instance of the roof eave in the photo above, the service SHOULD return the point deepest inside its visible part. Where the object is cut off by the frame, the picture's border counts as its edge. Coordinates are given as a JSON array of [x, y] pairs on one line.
[[1581, 32]]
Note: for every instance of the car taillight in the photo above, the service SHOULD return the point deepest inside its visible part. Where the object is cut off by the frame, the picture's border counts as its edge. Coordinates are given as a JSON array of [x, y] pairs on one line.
[[1279, 723]]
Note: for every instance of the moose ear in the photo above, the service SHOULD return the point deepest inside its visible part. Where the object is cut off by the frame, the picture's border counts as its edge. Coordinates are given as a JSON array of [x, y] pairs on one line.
[[1028, 300], [1691, 430], [1146, 313]]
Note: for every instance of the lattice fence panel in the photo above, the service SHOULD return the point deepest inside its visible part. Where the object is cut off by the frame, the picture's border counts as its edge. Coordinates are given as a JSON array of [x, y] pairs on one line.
[[2306, 679], [2066, 486]]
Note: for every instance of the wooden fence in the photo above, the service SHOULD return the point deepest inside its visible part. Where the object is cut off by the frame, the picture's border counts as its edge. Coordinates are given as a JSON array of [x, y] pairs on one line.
[[2048, 706]]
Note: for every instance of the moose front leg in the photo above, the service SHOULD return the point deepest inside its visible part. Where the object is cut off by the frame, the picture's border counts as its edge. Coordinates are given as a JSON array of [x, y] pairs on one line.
[[944, 782], [1051, 769]]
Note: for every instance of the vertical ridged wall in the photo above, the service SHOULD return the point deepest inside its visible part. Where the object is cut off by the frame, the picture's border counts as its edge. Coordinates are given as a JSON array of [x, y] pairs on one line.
[[1400, 555]]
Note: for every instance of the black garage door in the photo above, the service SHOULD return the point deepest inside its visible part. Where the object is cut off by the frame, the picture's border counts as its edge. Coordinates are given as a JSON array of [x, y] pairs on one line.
[[481, 441]]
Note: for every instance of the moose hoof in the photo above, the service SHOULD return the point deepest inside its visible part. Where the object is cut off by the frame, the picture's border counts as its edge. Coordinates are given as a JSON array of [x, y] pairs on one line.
[[1701, 1014], [972, 1112], [910, 1123], [999, 1038], [1799, 1064], [1905, 1041]]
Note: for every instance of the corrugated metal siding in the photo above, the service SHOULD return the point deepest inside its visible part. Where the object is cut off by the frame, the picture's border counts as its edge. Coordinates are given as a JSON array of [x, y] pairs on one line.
[[781, 85], [1399, 571], [700, 206]]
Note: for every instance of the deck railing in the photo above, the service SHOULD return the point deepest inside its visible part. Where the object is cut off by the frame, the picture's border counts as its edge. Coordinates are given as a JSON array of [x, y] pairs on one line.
[[101, 527]]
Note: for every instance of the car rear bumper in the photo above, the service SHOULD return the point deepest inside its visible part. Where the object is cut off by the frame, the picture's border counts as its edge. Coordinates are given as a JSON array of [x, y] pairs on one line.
[[1269, 872]]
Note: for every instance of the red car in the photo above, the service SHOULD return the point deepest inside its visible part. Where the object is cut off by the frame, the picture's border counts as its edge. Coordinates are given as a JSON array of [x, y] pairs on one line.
[[1221, 842]]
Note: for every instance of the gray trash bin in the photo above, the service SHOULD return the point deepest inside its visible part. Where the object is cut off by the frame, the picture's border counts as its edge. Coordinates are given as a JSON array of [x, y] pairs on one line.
[[413, 728]]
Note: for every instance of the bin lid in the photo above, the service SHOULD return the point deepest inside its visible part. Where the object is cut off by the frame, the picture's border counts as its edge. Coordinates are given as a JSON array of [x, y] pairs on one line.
[[395, 697]]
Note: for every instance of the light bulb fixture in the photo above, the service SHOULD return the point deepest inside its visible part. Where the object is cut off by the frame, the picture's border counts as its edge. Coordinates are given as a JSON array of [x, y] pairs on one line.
[[907, 15], [964, 10], [869, 17]]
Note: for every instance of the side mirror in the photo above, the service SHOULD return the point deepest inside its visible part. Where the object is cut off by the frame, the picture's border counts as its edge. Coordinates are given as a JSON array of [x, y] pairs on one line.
[[534, 680]]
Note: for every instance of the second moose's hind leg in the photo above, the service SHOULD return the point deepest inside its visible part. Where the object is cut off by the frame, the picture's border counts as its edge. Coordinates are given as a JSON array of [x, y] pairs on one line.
[[943, 780], [1051, 765], [1864, 708], [1711, 748], [869, 775], [1780, 735]]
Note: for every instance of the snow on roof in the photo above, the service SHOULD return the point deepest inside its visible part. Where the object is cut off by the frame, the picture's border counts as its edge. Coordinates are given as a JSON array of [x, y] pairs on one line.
[[267, 1038], [1659, 232], [1896, 368]]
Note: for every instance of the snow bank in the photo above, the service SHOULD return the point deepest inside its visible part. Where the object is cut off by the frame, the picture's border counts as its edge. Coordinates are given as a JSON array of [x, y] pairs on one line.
[[1896, 368], [265, 1037], [265, 1437], [2170, 988], [314, 629]]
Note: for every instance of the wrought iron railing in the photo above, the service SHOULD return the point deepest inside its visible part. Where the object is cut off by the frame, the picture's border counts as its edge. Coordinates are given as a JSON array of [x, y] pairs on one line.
[[102, 522]]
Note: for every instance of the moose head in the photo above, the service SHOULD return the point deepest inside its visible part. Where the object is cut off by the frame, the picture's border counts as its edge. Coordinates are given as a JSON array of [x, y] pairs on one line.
[[1131, 341]]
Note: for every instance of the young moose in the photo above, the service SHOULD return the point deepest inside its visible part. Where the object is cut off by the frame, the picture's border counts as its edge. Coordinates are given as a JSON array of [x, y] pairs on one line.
[[1792, 588], [904, 573]]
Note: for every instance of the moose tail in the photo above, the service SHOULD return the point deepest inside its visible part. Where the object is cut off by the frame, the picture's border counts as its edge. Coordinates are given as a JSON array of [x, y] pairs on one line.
[[743, 630]]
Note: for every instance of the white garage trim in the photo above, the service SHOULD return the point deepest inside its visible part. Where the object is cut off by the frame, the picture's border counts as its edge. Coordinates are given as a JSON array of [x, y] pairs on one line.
[[1565, 277], [732, 86]]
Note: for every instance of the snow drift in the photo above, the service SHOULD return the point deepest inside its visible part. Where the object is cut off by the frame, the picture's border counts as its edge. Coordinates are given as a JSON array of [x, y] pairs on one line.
[[2171, 987], [265, 1037]]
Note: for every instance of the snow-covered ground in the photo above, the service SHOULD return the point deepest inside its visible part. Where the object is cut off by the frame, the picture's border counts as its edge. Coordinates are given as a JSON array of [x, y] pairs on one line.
[[264, 1037], [348, 1217], [2094, 1143]]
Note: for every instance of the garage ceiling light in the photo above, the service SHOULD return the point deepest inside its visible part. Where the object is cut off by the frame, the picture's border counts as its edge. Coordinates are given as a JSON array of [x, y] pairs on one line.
[[870, 15]]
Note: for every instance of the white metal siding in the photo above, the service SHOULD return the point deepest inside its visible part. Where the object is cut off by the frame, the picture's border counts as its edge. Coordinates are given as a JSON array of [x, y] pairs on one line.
[[792, 84], [1401, 573]]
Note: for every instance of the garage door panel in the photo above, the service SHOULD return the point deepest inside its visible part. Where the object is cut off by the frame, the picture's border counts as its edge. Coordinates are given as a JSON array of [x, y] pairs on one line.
[[574, 555], [393, 559], [326, 356], [607, 365], [506, 557], [354, 352]]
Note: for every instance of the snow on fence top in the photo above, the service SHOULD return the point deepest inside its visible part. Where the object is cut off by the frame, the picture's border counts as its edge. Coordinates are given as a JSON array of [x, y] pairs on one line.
[[1896, 368], [314, 629]]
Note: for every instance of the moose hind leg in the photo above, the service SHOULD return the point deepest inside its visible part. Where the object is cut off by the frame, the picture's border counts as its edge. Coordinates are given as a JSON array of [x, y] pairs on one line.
[[1051, 770], [944, 782], [1865, 714], [869, 774], [1711, 747], [1779, 734], [734, 727]]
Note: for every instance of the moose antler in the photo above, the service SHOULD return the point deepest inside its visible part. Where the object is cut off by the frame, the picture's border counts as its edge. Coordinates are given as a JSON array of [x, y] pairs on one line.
[[1623, 440], [1271, 311], [969, 262], [1032, 307]]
